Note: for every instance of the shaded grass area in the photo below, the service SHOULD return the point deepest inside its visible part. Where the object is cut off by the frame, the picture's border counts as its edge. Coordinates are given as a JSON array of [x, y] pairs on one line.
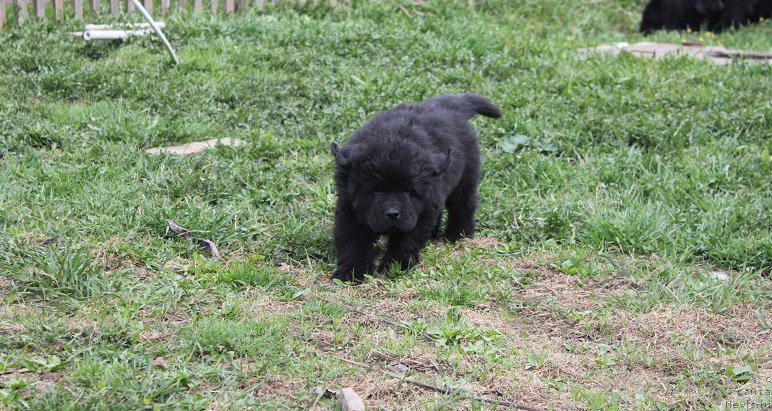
[[613, 189]]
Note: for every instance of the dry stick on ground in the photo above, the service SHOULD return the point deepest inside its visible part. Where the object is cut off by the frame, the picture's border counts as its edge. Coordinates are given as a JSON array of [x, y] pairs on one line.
[[206, 245], [448, 391], [415, 364]]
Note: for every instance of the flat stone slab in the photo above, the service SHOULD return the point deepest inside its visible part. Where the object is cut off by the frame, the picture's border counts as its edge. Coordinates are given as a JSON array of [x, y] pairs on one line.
[[348, 400], [195, 147], [714, 54]]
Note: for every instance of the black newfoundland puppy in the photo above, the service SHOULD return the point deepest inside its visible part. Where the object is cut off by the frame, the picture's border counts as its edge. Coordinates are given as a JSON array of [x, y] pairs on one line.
[[717, 15], [397, 173]]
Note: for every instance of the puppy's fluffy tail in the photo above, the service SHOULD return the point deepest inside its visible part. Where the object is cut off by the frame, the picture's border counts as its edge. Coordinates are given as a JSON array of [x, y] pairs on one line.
[[468, 104]]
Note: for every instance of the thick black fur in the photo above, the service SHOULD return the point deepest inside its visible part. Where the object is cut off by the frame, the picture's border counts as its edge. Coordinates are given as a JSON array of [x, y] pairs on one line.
[[397, 173], [716, 15]]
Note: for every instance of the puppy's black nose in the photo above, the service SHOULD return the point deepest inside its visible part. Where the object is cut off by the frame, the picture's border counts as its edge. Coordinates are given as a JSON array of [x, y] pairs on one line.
[[392, 213]]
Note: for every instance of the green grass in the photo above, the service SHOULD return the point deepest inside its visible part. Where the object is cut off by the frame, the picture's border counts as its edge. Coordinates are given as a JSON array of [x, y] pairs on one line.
[[613, 188]]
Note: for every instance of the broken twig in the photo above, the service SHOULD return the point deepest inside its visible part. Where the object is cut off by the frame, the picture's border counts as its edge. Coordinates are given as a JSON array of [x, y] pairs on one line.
[[205, 245]]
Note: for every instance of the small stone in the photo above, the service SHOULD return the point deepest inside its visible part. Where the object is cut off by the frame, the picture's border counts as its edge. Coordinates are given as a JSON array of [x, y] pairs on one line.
[[720, 275], [392, 334], [160, 362], [397, 367], [348, 400]]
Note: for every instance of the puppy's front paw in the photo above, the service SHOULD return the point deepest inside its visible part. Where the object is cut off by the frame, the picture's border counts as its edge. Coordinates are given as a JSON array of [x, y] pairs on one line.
[[342, 275], [346, 276], [452, 237], [403, 262], [455, 236]]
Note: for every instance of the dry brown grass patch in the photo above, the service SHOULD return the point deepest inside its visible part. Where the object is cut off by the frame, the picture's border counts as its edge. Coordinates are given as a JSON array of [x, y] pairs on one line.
[[566, 289], [38, 380], [524, 336], [263, 307], [667, 334], [383, 392], [704, 329], [667, 330], [11, 328], [479, 242]]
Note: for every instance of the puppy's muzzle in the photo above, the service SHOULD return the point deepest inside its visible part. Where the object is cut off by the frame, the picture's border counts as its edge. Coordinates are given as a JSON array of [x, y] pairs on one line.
[[392, 214]]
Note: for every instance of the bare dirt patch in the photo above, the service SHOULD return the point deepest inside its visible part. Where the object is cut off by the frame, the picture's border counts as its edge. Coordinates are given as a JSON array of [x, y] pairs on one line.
[[11, 328], [665, 330], [666, 335], [382, 392], [153, 335], [524, 337], [521, 337], [276, 385], [82, 328], [36, 379], [568, 290], [302, 275], [262, 307], [173, 318], [5, 283], [111, 260], [480, 242], [381, 388]]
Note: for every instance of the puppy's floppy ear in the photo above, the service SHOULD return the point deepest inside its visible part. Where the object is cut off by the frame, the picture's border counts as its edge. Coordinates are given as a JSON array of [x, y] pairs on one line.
[[340, 157], [441, 162]]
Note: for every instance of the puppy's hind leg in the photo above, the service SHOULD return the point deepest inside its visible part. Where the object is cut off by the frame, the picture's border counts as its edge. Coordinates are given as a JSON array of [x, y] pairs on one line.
[[462, 205]]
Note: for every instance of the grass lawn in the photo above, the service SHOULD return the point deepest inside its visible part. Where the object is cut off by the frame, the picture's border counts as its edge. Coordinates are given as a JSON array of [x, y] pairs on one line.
[[624, 247]]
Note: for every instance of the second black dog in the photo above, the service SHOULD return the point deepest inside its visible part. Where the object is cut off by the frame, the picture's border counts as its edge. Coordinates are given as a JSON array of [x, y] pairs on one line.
[[716, 15], [397, 173]]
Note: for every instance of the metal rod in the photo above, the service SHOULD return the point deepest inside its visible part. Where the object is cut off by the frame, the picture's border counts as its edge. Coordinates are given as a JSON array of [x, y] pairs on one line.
[[157, 30]]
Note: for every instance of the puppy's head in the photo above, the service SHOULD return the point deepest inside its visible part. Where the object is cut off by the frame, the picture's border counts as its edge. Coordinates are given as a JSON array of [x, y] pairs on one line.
[[656, 15], [390, 185]]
